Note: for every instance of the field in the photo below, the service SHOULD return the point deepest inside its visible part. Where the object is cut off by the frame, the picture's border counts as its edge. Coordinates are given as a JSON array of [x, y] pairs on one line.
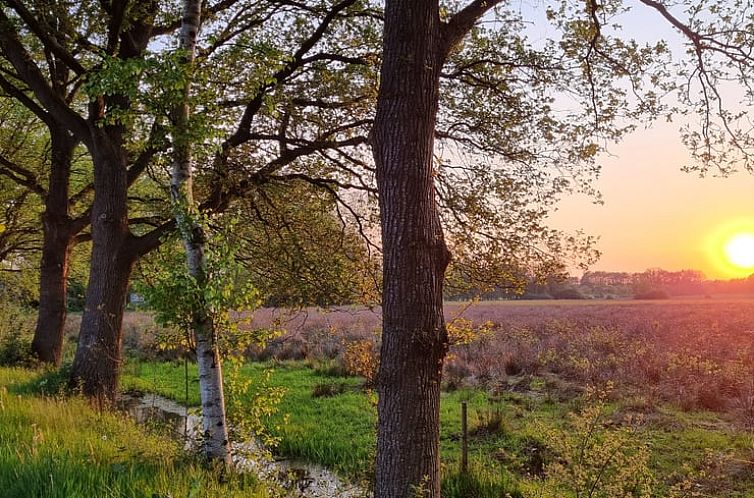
[[565, 399]]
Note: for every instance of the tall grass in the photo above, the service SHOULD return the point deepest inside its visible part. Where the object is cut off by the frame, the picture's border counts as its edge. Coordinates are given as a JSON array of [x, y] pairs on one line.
[[55, 447], [508, 450]]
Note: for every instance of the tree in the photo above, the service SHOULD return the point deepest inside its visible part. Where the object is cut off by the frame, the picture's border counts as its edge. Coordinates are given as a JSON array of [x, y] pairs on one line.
[[415, 256], [215, 439], [106, 46], [41, 164], [422, 58]]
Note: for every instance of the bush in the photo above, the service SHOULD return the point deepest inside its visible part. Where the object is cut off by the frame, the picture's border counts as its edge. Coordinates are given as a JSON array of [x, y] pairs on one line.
[[652, 294], [567, 294], [328, 389], [361, 358], [16, 333], [595, 461]]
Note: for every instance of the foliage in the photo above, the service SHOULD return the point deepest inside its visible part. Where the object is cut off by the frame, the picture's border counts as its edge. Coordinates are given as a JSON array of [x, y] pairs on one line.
[[464, 331], [174, 294], [252, 401], [16, 332], [299, 251], [361, 358], [597, 462]]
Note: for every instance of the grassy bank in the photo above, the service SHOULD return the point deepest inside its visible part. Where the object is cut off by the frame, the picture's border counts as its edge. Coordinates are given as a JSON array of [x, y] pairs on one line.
[[54, 447], [512, 433]]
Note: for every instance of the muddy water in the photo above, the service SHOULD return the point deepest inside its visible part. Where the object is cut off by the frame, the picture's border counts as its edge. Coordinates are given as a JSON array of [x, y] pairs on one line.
[[301, 479]]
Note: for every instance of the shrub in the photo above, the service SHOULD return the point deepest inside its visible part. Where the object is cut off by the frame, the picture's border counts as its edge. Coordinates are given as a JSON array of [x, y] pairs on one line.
[[567, 294], [652, 294], [595, 461], [328, 389], [361, 358], [16, 333]]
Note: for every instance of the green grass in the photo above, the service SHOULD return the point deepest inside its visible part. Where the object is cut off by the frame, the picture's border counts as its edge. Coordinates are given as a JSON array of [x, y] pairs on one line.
[[339, 431], [336, 431], [54, 447]]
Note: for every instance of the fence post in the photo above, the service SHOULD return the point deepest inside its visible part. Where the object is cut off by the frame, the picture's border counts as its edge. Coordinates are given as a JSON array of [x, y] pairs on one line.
[[464, 438]]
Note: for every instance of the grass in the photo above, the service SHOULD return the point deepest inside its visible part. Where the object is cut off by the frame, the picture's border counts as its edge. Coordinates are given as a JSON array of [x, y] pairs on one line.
[[59, 447], [336, 431], [506, 448]]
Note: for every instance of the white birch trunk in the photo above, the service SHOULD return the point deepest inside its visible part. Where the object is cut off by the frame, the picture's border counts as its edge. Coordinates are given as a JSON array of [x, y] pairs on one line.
[[216, 446]]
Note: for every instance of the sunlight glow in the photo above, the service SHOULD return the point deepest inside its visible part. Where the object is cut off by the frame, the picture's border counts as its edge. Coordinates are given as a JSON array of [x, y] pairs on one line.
[[740, 250], [730, 248]]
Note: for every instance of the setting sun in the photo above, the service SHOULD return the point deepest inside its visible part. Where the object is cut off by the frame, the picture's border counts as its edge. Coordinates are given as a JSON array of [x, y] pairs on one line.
[[730, 249], [740, 250]]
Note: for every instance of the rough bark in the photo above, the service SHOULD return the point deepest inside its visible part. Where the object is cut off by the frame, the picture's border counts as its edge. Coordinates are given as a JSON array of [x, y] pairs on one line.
[[216, 445], [59, 236], [96, 366], [414, 339], [47, 344]]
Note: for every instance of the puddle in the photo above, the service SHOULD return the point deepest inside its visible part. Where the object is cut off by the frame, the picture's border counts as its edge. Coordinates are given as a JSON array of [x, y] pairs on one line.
[[301, 479]]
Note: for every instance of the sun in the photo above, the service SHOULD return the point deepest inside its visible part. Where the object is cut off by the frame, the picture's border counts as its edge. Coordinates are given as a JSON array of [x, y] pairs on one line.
[[739, 250], [730, 249]]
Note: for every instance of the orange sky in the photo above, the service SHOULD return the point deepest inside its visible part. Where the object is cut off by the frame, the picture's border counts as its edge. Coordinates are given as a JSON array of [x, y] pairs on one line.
[[658, 216], [654, 214]]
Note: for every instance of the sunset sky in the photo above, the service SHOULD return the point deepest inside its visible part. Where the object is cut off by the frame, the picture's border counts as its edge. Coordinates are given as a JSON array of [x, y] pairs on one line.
[[655, 215]]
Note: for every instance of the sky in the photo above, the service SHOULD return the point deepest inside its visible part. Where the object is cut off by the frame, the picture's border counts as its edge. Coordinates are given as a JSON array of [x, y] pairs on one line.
[[655, 215]]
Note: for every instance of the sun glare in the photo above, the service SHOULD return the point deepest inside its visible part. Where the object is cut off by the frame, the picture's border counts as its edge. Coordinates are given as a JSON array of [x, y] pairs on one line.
[[739, 250], [730, 249]]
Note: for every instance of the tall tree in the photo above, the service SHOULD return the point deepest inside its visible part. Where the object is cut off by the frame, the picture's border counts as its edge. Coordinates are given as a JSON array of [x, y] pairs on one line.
[[60, 234], [449, 89], [62, 223], [415, 255], [107, 134], [215, 428]]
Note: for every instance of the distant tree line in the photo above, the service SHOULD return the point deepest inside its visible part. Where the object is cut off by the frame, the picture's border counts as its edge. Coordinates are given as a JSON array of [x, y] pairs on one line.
[[654, 283]]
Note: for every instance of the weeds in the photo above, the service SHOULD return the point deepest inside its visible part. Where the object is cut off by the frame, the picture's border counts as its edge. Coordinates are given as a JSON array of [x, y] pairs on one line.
[[594, 461]]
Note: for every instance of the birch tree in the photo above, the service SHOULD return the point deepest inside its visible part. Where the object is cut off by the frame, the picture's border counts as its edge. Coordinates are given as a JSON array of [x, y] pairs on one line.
[[215, 441]]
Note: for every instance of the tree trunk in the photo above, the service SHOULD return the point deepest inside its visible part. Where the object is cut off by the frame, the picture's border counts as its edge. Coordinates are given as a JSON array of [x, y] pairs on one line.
[[96, 366], [58, 233], [216, 445], [215, 429], [414, 339], [47, 344]]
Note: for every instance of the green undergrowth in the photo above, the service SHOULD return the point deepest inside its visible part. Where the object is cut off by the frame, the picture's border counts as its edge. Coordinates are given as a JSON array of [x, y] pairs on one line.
[[60, 447], [329, 419]]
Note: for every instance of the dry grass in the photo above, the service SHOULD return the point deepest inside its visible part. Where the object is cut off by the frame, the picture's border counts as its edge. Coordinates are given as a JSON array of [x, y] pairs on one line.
[[698, 354]]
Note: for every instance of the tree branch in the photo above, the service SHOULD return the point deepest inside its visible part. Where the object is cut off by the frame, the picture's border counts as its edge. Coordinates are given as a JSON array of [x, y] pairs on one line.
[[25, 100], [244, 126], [30, 74], [48, 41], [461, 23], [21, 176]]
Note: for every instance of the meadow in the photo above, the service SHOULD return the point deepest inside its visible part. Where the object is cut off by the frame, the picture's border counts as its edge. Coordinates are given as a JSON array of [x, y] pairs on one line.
[[612, 398], [61, 447], [565, 399]]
